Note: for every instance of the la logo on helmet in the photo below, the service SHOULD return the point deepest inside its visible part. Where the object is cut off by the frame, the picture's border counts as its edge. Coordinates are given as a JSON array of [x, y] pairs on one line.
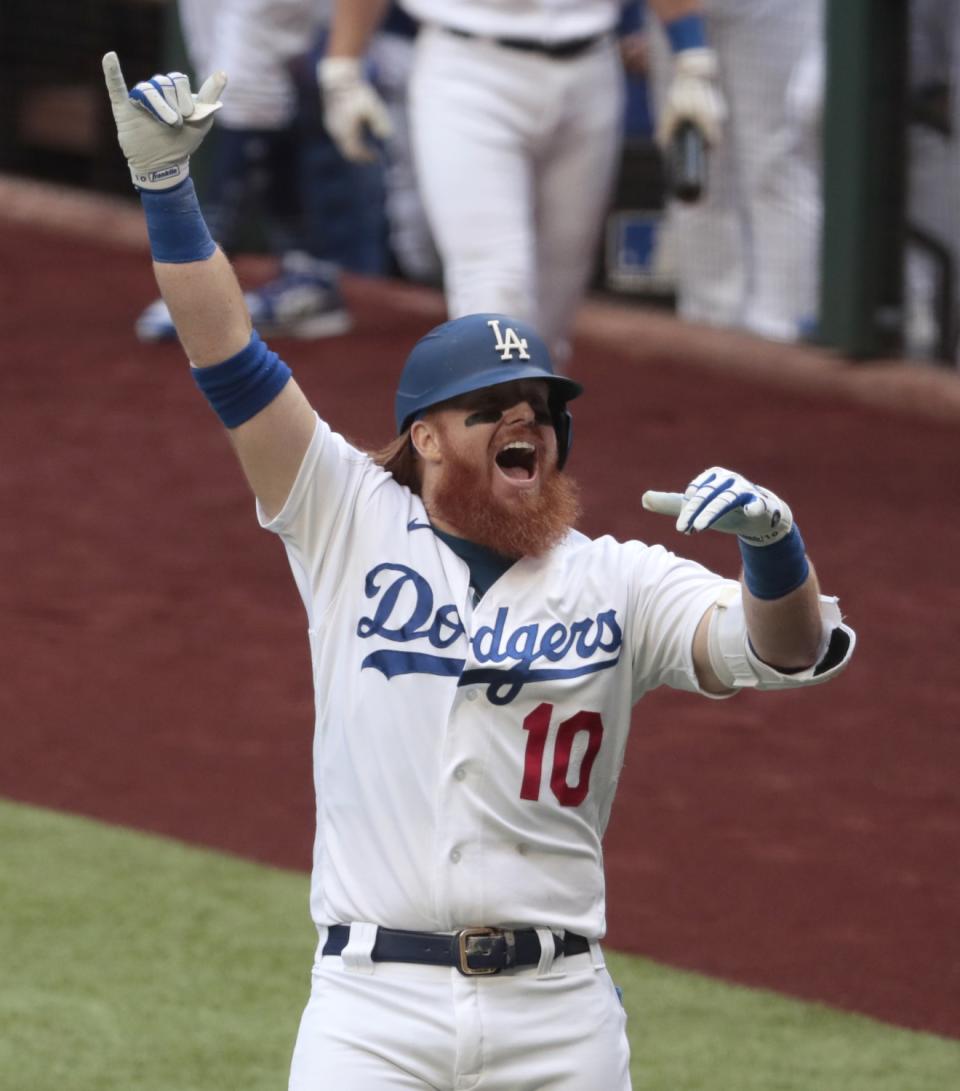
[[509, 342]]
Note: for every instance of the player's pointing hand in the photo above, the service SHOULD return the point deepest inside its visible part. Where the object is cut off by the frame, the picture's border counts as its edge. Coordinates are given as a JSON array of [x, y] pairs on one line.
[[723, 500], [160, 123]]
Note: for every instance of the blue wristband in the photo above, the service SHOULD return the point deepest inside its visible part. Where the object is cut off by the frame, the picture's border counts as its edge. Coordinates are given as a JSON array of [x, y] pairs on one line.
[[688, 32], [240, 387], [175, 224], [772, 571], [631, 18]]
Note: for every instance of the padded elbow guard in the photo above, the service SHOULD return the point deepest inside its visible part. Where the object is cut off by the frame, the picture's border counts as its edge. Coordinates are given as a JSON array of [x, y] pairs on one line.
[[737, 665]]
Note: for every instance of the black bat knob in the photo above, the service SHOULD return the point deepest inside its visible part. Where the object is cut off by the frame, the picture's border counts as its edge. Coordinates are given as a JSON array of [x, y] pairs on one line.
[[687, 163]]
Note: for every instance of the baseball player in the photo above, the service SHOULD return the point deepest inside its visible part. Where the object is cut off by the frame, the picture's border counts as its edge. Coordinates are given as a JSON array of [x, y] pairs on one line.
[[933, 165], [515, 115], [747, 253], [475, 662]]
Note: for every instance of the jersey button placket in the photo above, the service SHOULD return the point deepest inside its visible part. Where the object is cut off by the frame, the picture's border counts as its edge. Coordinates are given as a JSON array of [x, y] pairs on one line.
[[461, 878]]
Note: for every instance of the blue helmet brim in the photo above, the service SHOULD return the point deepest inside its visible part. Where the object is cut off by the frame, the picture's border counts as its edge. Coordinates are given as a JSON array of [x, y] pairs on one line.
[[560, 387]]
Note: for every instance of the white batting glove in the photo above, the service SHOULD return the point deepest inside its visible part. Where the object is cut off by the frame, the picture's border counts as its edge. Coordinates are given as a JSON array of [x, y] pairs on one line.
[[693, 95], [160, 123], [353, 112], [722, 500]]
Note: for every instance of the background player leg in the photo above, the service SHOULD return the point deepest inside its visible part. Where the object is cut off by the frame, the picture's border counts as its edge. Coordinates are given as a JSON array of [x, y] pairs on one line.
[[775, 73], [573, 188], [474, 120], [411, 243], [707, 238]]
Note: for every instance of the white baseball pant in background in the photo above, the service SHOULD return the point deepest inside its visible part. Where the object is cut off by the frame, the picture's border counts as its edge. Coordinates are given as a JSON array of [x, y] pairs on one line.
[[747, 255], [515, 152], [934, 168], [410, 237]]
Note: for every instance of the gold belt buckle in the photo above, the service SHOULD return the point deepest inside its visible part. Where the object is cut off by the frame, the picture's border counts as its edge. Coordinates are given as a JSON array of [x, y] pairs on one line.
[[463, 936]]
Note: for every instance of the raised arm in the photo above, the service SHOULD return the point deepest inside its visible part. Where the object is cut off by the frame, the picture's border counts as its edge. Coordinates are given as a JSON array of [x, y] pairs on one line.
[[353, 24], [160, 123], [778, 619]]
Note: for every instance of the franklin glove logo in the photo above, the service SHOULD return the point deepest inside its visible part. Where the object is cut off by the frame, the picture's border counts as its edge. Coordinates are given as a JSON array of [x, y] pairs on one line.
[[509, 342], [165, 172]]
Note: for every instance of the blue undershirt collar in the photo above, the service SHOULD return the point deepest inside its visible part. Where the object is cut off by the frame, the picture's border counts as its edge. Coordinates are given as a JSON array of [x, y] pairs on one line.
[[486, 566]]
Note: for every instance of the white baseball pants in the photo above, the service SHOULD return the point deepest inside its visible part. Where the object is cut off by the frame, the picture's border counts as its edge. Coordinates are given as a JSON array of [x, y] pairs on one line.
[[515, 155], [396, 1027]]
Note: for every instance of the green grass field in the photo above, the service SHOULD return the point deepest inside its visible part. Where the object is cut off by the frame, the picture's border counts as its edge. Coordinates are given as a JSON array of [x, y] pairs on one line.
[[136, 963]]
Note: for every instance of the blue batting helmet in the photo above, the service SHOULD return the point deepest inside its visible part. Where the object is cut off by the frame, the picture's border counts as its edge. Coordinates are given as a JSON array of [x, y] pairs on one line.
[[474, 352]]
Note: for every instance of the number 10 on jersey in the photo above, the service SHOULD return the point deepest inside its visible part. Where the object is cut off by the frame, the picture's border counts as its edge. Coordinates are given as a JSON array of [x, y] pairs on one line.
[[581, 728]]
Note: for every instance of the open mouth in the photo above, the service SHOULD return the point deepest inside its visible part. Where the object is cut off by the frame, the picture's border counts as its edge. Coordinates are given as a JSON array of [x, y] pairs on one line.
[[518, 460]]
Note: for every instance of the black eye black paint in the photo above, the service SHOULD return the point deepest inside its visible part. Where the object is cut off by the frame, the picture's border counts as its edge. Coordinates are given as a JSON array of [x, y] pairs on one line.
[[483, 416], [491, 405]]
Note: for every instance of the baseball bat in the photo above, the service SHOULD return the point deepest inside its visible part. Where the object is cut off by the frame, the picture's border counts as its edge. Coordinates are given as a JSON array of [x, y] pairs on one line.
[[687, 163]]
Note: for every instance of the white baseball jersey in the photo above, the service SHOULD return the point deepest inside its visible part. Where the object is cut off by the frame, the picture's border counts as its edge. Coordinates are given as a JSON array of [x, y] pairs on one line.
[[467, 753], [253, 41], [466, 756]]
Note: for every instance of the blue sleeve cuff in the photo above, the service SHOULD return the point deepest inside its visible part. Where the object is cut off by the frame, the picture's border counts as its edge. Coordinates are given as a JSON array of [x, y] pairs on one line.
[[772, 571], [631, 18], [688, 32], [175, 225], [241, 386]]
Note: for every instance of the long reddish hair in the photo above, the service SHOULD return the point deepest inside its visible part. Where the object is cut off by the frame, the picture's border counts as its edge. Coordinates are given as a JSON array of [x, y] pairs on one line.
[[400, 459]]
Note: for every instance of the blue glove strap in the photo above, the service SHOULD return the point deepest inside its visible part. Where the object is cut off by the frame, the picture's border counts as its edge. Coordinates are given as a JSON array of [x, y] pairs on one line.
[[244, 384], [175, 224], [687, 32], [772, 571]]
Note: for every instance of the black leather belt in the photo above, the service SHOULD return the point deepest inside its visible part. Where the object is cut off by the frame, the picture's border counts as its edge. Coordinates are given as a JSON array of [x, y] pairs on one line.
[[572, 47], [472, 951]]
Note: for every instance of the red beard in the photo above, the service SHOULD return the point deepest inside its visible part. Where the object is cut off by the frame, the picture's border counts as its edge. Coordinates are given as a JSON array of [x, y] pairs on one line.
[[529, 527]]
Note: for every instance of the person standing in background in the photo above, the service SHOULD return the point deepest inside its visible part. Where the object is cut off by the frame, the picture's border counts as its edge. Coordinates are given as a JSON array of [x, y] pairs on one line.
[[411, 243], [933, 207], [256, 160], [747, 253], [516, 121], [955, 101]]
